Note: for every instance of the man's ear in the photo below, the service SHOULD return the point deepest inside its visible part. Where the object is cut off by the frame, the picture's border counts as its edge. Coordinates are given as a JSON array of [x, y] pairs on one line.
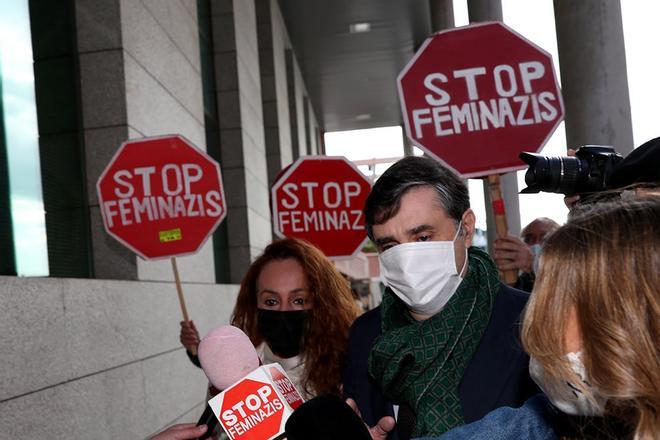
[[468, 225]]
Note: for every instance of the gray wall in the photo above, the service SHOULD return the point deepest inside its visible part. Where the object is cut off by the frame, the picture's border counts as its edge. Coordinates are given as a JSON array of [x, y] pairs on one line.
[[100, 359]]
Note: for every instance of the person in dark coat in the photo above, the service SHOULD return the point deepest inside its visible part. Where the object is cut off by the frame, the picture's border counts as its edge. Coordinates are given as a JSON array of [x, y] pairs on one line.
[[443, 348]]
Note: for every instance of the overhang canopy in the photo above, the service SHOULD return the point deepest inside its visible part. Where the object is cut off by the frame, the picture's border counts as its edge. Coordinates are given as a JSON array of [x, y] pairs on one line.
[[351, 75]]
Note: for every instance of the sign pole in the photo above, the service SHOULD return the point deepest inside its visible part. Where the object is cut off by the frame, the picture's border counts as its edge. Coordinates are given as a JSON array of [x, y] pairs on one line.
[[182, 300], [509, 276]]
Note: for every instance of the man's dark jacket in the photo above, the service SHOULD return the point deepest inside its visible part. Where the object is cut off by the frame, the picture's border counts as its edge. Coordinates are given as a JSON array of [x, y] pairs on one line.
[[496, 376]]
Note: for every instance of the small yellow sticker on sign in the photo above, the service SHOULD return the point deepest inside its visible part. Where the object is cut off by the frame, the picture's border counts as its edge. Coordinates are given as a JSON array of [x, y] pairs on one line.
[[171, 235]]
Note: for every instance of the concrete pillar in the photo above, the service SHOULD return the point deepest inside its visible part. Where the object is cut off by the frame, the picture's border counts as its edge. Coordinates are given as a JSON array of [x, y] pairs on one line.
[[294, 82], [322, 142], [407, 145], [442, 14], [243, 149], [313, 131], [307, 139], [271, 33], [592, 63], [442, 17], [491, 10], [103, 79], [484, 10], [156, 102], [125, 91]]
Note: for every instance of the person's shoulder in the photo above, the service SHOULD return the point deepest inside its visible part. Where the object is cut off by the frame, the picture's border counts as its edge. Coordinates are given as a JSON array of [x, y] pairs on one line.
[[531, 421], [509, 297], [367, 320], [366, 328], [508, 308]]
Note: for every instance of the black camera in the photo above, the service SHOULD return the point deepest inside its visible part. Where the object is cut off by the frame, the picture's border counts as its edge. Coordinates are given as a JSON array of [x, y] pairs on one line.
[[590, 170]]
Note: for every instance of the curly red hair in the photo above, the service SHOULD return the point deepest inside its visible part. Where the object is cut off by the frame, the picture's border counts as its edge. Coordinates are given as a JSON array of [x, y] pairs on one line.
[[333, 312]]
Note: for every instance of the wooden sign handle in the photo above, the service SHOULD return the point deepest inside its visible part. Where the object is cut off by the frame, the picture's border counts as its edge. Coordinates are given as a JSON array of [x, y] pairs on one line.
[[509, 276], [182, 300]]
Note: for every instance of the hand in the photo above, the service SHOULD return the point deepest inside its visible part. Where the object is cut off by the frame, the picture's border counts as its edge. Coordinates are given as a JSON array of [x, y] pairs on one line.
[[184, 431], [569, 201], [382, 428], [189, 335], [511, 253]]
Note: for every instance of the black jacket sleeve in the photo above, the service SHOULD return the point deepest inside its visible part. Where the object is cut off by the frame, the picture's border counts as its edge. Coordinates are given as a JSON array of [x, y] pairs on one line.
[[194, 359]]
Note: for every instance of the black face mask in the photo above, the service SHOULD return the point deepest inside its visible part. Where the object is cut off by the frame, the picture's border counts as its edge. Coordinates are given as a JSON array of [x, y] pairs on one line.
[[283, 331]]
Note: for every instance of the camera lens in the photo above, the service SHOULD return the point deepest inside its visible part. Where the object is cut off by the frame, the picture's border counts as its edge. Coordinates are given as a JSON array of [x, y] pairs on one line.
[[588, 171], [551, 174], [572, 168]]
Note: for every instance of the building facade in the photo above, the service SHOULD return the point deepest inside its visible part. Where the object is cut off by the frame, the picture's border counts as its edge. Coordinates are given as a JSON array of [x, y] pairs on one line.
[[90, 348], [90, 345]]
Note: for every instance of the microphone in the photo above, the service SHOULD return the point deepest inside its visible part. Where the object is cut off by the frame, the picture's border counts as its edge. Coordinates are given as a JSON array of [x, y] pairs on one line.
[[255, 401], [325, 417], [227, 355]]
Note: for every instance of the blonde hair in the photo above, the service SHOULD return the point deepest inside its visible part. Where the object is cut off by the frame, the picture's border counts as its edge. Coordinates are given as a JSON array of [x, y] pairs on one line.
[[603, 265]]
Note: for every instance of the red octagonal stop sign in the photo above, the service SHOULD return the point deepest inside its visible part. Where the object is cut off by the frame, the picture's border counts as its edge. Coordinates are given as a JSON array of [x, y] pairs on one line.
[[251, 410], [161, 196], [320, 199], [475, 97]]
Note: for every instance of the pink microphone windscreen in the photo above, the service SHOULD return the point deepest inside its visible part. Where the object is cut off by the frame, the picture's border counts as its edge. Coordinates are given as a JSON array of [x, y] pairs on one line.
[[227, 355]]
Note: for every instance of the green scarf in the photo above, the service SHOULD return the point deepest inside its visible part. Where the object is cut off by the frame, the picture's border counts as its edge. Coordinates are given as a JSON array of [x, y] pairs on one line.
[[421, 363]]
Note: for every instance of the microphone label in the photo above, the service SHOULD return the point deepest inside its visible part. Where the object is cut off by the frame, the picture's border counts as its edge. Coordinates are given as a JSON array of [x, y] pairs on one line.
[[285, 387], [258, 406]]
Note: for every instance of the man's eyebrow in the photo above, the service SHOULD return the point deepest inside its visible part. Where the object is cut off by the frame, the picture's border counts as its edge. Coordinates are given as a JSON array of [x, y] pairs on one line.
[[384, 240], [417, 229], [413, 231]]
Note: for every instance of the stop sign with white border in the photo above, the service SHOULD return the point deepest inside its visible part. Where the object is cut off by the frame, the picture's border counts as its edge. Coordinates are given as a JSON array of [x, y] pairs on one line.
[[475, 97], [161, 196], [320, 199]]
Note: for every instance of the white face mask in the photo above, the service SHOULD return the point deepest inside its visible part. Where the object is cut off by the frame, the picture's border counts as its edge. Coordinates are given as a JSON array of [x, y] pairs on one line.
[[565, 396], [422, 274]]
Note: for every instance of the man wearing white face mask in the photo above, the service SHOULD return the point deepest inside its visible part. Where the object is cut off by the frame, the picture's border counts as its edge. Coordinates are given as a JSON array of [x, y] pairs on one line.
[[443, 346], [513, 253]]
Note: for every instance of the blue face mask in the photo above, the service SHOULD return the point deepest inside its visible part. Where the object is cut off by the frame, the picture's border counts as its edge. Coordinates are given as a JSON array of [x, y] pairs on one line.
[[536, 251]]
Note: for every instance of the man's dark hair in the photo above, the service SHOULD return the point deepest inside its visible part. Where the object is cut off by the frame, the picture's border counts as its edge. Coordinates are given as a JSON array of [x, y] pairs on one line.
[[410, 172]]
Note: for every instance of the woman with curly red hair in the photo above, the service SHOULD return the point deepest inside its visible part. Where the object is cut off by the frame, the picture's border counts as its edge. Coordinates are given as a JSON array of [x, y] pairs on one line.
[[296, 308]]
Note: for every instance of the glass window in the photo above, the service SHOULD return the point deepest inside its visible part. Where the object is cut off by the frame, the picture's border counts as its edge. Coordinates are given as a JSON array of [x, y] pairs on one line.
[[21, 140]]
